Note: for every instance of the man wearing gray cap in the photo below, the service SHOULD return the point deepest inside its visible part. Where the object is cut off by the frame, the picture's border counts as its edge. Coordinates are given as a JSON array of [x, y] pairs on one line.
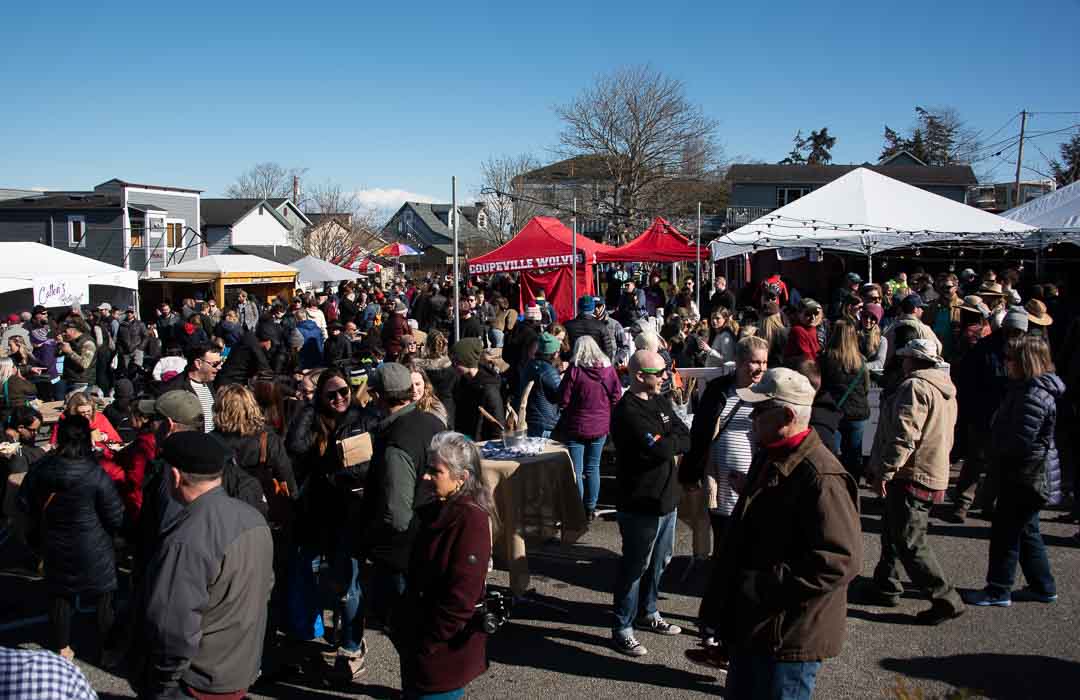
[[794, 543], [208, 584], [910, 463]]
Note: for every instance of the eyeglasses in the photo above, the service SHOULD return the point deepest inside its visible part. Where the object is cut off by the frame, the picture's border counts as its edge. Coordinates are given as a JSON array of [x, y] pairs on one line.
[[342, 393], [215, 365]]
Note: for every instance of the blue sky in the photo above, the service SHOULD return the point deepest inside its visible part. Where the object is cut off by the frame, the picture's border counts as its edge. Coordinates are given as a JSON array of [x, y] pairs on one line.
[[394, 99]]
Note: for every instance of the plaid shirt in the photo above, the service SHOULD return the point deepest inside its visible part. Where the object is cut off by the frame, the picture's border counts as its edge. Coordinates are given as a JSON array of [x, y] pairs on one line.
[[40, 675]]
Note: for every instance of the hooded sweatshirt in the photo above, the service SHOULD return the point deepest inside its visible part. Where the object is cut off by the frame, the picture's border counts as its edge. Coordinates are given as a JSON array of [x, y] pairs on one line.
[[915, 431]]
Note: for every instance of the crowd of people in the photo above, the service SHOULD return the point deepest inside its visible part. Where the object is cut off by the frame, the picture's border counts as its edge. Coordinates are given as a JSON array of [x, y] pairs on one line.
[[261, 463]]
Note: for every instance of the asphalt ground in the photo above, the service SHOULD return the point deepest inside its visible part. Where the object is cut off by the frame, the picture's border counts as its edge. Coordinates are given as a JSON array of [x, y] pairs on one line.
[[1027, 651]]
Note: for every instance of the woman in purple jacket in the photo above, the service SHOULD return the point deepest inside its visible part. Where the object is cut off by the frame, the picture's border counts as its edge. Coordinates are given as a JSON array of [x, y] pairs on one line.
[[588, 393]]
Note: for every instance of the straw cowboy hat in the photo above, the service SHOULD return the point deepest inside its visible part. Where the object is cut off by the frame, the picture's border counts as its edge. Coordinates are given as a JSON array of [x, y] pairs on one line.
[[990, 289], [1037, 313], [975, 305]]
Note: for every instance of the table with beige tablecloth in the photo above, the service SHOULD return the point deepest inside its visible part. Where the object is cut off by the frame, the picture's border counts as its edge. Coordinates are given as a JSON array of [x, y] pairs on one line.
[[532, 493]]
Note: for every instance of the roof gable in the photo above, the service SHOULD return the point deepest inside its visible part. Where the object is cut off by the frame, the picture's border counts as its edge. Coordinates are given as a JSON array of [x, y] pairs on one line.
[[229, 212], [428, 228]]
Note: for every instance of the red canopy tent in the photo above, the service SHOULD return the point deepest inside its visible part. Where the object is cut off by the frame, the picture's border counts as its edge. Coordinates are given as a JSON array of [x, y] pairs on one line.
[[661, 242], [542, 251]]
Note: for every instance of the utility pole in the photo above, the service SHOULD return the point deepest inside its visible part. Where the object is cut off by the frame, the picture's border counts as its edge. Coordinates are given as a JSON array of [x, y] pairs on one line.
[[698, 256], [457, 271], [575, 252], [1020, 156]]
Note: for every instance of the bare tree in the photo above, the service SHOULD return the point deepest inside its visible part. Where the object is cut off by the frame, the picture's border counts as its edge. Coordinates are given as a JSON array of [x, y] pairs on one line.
[[348, 223], [501, 188], [263, 181], [645, 130]]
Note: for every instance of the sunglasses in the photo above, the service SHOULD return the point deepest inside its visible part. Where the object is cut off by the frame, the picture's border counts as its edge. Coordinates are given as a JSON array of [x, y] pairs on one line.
[[215, 365], [343, 392], [654, 370]]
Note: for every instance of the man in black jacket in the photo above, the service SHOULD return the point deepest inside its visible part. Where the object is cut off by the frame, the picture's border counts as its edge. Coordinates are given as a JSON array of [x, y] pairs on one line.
[[648, 434], [130, 340], [478, 391], [248, 358], [586, 323]]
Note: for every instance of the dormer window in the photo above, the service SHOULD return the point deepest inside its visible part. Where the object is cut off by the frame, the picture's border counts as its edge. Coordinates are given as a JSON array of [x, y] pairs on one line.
[[481, 220]]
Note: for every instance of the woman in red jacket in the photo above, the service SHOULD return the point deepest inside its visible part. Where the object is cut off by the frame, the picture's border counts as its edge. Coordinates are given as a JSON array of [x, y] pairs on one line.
[[441, 644]]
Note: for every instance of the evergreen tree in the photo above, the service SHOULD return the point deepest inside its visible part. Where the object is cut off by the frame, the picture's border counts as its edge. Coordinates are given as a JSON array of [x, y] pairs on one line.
[[820, 143], [796, 157], [1067, 170], [894, 143]]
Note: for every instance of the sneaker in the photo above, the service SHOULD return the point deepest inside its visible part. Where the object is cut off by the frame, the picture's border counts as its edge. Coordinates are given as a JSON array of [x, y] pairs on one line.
[[708, 638], [870, 594], [351, 664], [628, 645], [1029, 593], [938, 612], [658, 625], [711, 658], [986, 598]]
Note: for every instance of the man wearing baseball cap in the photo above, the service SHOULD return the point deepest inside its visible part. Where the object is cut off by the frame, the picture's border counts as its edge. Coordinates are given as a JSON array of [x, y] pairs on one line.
[[794, 543], [908, 326], [910, 462], [208, 583]]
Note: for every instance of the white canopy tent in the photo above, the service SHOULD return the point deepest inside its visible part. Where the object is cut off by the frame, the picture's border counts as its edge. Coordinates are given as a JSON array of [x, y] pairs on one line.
[[1056, 215], [314, 270], [866, 212], [57, 277]]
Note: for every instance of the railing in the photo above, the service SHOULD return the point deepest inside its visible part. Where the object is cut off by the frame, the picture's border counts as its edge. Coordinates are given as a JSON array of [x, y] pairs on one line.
[[741, 216]]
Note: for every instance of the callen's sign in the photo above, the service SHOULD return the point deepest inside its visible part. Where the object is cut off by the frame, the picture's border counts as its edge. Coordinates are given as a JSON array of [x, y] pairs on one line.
[[61, 291], [524, 264]]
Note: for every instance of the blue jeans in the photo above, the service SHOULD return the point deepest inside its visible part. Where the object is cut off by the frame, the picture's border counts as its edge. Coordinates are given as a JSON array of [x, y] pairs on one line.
[[756, 677], [849, 437], [349, 606], [586, 456], [647, 542], [1015, 537], [496, 338]]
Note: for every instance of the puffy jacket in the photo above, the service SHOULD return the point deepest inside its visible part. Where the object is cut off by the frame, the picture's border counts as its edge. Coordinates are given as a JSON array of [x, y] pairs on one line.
[[543, 409], [311, 352], [131, 336], [1022, 438], [915, 432], [593, 327], [587, 397], [79, 510], [793, 545]]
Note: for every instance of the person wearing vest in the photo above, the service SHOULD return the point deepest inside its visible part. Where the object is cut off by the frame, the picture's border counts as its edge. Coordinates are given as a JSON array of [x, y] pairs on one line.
[[80, 355]]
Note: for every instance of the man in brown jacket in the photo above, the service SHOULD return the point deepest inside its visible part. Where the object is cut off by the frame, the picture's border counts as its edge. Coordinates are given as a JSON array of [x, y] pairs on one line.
[[910, 462], [793, 545]]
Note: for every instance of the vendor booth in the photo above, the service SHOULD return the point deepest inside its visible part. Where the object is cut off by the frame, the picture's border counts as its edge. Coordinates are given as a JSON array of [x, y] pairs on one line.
[[543, 253], [1056, 215], [316, 271], [866, 213], [32, 274], [220, 277], [661, 242]]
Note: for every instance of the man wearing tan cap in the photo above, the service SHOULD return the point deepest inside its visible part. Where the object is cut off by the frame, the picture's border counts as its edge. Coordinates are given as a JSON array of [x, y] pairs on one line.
[[794, 543], [910, 461]]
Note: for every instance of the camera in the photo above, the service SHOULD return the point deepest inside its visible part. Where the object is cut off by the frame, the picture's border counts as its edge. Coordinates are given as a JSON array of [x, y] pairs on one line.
[[494, 610]]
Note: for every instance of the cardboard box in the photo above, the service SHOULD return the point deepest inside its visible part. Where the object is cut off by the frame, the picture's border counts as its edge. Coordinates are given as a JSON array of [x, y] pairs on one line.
[[356, 449]]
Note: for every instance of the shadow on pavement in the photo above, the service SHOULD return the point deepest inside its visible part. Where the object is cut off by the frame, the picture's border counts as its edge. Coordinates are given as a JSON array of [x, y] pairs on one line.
[[542, 648], [994, 675], [888, 618]]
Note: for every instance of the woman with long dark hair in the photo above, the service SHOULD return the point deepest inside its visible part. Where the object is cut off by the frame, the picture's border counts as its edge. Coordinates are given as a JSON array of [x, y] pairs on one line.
[[441, 644], [1027, 464], [75, 509], [846, 378], [327, 496]]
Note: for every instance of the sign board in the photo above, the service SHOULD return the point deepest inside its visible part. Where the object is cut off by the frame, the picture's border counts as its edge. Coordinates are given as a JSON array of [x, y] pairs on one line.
[[61, 291], [536, 263]]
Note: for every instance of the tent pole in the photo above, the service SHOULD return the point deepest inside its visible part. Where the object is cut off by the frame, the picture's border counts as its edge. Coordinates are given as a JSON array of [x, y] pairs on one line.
[[457, 271], [869, 266], [575, 252], [697, 257]]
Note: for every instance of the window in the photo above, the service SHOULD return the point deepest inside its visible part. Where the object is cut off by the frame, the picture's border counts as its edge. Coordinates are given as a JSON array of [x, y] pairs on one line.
[[787, 195], [174, 234], [481, 220], [76, 230], [138, 230]]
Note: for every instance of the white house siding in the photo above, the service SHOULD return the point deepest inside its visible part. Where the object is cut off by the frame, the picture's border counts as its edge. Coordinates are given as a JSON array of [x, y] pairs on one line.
[[259, 227]]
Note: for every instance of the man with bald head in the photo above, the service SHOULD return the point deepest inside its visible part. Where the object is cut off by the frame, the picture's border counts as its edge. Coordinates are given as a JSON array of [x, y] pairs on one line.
[[648, 435]]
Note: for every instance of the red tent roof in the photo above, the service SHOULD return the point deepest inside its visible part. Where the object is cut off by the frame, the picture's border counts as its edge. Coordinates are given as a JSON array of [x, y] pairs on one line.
[[542, 243], [661, 242]]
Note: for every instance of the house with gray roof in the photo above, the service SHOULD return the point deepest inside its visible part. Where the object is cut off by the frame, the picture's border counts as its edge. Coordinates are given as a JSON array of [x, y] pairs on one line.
[[137, 226], [423, 225], [263, 227]]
